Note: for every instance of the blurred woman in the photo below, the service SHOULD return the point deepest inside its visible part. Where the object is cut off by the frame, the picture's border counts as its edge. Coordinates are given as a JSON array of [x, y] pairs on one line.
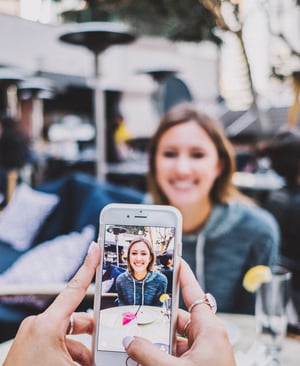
[[141, 284], [224, 233]]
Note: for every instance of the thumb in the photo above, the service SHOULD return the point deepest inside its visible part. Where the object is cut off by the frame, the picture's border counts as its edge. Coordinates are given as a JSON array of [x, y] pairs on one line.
[[146, 353]]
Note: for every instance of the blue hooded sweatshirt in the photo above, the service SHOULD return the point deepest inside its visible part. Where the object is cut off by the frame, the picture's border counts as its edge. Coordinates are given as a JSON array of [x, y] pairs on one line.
[[145, 292]]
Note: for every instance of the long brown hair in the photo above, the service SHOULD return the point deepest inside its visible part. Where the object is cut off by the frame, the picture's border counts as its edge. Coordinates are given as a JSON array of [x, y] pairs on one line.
[[151, 264], [223, 189]]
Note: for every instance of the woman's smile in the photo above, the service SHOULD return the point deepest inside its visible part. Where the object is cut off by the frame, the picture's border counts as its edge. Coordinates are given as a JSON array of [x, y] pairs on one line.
[[183, 185], [139, 264]]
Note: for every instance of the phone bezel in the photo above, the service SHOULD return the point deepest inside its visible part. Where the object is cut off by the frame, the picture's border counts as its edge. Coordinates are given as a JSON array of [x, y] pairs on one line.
[[143, 215]]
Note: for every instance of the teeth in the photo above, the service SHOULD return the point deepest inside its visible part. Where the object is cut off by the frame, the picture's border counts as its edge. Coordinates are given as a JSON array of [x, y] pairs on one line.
[[183, 185]]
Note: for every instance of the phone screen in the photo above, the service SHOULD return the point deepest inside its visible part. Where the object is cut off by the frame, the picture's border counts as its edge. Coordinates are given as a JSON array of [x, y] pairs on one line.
[[137, 286]]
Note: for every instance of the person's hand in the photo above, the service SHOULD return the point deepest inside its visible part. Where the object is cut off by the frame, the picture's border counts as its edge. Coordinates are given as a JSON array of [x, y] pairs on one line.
[[207, 343], [41, 340]]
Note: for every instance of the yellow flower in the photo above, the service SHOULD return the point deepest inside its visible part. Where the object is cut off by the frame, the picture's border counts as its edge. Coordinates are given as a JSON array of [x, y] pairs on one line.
[[255, 276], [163, 297]]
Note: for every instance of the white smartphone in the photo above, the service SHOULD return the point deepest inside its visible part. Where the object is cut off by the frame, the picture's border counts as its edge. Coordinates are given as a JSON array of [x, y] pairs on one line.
[[137, 285]]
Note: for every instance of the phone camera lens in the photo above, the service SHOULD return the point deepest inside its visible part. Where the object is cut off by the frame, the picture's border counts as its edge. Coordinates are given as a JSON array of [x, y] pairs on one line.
[[128, 216]]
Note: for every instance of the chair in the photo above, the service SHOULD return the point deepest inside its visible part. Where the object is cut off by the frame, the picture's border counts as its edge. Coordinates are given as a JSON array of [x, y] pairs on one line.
[[81, 199]]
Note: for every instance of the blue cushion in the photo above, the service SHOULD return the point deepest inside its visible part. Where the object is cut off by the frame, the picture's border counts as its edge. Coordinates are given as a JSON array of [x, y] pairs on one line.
[[82, 197], [23, 216], [8, 255]]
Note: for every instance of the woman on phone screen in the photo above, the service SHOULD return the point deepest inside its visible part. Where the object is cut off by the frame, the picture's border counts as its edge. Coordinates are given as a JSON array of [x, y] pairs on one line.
[[141, 284]]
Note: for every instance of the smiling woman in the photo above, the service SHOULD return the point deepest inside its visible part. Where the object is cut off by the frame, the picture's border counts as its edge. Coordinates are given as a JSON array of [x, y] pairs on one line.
[[141, 284], [224, 233]]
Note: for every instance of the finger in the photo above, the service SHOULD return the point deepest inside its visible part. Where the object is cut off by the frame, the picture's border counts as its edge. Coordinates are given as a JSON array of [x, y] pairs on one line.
[[69, 299], [147, 354], [83, 323], [191, 290], [181, 346], [182, 319], [201, 316], [79, 352]]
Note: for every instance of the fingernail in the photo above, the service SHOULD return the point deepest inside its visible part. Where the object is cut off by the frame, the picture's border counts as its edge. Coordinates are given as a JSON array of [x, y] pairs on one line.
[[92, 245], [126, 341], [90, 312]]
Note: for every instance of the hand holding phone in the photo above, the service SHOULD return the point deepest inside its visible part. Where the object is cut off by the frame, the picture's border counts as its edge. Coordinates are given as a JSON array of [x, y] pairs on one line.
[[205, 334], [137, 280]]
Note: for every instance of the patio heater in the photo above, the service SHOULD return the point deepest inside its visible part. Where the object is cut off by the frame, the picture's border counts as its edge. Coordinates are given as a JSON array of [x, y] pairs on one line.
[[117, 230], [9, 78], [96, 37], [36, 89]]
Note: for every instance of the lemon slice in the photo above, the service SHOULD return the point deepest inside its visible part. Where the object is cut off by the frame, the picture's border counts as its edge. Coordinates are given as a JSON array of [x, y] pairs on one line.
[[255, 276], [163, 297]]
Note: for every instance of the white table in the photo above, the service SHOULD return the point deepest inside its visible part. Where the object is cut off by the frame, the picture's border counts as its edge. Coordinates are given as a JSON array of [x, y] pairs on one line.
[[151, 323]]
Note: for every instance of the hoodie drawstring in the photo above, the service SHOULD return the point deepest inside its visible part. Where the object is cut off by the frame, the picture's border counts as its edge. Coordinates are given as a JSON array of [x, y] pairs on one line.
[[134, 292]]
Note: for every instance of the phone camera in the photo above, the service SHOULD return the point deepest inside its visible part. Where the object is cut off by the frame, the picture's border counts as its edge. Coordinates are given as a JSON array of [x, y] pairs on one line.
[[127, 216]]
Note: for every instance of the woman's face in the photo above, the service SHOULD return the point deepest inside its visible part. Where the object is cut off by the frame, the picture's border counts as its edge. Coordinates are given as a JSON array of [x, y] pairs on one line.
[[187, 165], [139, 257]]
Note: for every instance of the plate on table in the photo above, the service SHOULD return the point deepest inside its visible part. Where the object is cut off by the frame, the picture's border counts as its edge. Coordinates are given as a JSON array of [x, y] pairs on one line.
[[146, 316], [232, 330]]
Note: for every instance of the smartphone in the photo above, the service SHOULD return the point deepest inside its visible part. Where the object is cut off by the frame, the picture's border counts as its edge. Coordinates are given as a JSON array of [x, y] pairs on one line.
[[137, 285]]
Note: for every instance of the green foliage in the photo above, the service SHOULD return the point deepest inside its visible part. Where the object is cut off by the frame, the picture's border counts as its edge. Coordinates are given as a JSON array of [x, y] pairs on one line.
[[180, 20], [185, 20]]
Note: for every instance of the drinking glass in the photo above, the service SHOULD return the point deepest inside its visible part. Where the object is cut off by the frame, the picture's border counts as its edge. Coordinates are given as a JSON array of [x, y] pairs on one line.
[[167, 306], [271, 310]]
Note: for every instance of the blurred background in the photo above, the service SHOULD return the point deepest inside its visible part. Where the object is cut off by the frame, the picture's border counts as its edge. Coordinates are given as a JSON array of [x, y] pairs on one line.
[[239, 60], [83, 85]]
